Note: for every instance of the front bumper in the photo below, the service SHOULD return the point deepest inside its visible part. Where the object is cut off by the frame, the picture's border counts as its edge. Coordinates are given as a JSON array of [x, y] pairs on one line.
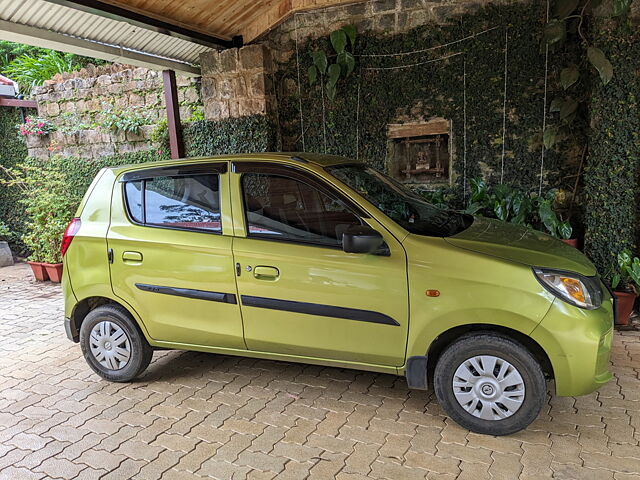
[[578, 343]]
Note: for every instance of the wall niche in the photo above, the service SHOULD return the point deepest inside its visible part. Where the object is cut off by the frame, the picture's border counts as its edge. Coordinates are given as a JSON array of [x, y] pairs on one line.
[[419, 154]]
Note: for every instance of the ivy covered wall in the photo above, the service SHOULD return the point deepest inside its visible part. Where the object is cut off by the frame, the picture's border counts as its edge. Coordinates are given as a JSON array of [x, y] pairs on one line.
[[612, 176], [457, 72], [13, 150]]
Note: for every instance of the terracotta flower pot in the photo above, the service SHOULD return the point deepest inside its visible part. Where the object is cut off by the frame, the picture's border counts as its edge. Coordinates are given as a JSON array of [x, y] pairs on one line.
[[54, 271], [39, 271], [625, 306], [571, 241]]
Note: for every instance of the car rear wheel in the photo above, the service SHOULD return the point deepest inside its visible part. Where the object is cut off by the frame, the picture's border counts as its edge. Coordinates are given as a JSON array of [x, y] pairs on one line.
[[113, 345], [489, 384]]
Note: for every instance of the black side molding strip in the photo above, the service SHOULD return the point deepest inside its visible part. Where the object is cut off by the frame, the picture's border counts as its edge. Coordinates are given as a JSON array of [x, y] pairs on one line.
[[318, 309], [189, 293]]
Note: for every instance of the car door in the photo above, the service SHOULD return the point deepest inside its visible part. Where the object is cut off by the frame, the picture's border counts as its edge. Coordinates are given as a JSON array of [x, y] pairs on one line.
[[301, 294], [170, 245]]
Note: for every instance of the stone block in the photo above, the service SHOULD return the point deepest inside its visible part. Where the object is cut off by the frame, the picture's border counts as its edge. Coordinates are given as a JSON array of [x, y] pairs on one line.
[[151, 99], [411, 4], [136, 100], [226, 88], [386, 22], [104, 80], [52, 109], [185, 112], [239, 87], [210, 63], [252, 107], [209, 88], [183, 81], [257, 85], [191, 95], [216, 110], [234, 108], [139, 73], [383, 5], [252, 56], [229, 60]]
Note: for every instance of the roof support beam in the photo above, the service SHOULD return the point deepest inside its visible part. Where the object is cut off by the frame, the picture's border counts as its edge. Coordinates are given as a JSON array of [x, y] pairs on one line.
[[173, 114], [15, 102], [148, 21], [16, 32]]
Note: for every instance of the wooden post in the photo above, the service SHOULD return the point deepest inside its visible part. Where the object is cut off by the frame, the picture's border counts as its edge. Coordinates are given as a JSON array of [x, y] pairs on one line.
[[173, 114]]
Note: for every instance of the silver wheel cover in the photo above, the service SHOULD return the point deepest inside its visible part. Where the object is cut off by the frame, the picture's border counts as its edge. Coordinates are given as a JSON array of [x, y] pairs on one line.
[[488, 387], [110, 345]]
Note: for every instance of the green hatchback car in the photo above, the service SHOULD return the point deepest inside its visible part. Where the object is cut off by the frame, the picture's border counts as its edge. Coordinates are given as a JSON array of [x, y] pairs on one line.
[[323, 260]]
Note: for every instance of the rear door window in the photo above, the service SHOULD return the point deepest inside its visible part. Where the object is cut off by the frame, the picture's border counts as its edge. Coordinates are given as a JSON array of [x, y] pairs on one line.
[[190, 202]]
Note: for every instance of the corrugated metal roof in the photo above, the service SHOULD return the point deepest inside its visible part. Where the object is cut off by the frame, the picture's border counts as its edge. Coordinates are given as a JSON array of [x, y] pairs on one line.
[[87, 26]]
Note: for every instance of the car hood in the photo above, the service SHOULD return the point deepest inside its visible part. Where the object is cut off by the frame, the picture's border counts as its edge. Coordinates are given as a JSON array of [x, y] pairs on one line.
[[522, 245]]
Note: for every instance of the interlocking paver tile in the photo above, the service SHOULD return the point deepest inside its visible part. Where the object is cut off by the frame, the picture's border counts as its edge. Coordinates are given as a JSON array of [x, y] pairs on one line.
[[194, 415]]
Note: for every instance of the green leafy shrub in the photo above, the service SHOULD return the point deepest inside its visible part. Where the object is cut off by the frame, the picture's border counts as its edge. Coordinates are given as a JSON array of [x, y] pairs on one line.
[[30, 70], [628, 275], [5, 232], [254, 133], [48, 208], [129, 120], [515, 205]]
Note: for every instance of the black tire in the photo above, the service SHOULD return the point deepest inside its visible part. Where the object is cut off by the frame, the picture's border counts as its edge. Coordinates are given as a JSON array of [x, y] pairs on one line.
[[505, 349], [140, 350]]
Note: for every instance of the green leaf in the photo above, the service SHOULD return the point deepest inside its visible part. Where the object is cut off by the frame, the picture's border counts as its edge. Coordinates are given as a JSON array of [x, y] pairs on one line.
[[564, 8], [556, 104], [331, 91], [320, 61], [615, 281], [568, 108], [549, 137], [601, 63], [338, 40], [313, 74], [569, 76], [347, 63], [350, 30], [548, 217], [333, 73], [501, 211], [612, 8], [554, 32], [565, 230]]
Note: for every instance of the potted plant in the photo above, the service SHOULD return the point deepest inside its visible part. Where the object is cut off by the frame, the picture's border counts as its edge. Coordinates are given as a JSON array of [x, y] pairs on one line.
[[36, 130], [48, 208], [626, 284], [6, 257]]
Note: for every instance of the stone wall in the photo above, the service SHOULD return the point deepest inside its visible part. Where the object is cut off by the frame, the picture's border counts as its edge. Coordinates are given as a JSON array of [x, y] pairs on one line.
[[386, 17], [79, 103], [238, 83]]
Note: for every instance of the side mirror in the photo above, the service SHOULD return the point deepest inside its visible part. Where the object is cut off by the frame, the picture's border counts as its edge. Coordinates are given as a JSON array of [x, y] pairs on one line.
[[361, 239]]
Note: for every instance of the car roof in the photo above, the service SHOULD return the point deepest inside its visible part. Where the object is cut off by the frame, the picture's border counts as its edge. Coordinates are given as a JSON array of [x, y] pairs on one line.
[[322, 160]]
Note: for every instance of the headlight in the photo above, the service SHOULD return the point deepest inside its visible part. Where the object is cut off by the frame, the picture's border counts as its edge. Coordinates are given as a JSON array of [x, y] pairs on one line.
[[573, 288]]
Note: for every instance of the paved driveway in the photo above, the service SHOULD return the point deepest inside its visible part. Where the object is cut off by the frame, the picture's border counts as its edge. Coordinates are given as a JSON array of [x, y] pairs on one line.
[[197, 415]]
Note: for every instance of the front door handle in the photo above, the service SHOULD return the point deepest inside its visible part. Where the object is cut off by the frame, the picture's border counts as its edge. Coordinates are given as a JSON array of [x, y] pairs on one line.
[[131, 257], [266, 273]]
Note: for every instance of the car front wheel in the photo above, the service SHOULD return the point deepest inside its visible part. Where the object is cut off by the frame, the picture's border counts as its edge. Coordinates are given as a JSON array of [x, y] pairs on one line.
[[113, 345], [489, 384]]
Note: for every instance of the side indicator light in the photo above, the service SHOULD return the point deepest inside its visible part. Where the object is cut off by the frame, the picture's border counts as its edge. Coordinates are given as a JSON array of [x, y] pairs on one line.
[[432, 293]]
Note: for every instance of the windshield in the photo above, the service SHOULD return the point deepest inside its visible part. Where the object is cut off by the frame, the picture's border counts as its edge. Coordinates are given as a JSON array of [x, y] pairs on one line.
[[399, 203]]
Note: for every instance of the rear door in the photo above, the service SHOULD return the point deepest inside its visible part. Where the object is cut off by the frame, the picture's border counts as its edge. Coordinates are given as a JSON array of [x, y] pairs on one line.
[[170, 240], [301, 294]]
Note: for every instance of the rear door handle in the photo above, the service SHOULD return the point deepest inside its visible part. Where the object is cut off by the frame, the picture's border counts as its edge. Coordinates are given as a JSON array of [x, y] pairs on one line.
[[131, 257], [266, 273]]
